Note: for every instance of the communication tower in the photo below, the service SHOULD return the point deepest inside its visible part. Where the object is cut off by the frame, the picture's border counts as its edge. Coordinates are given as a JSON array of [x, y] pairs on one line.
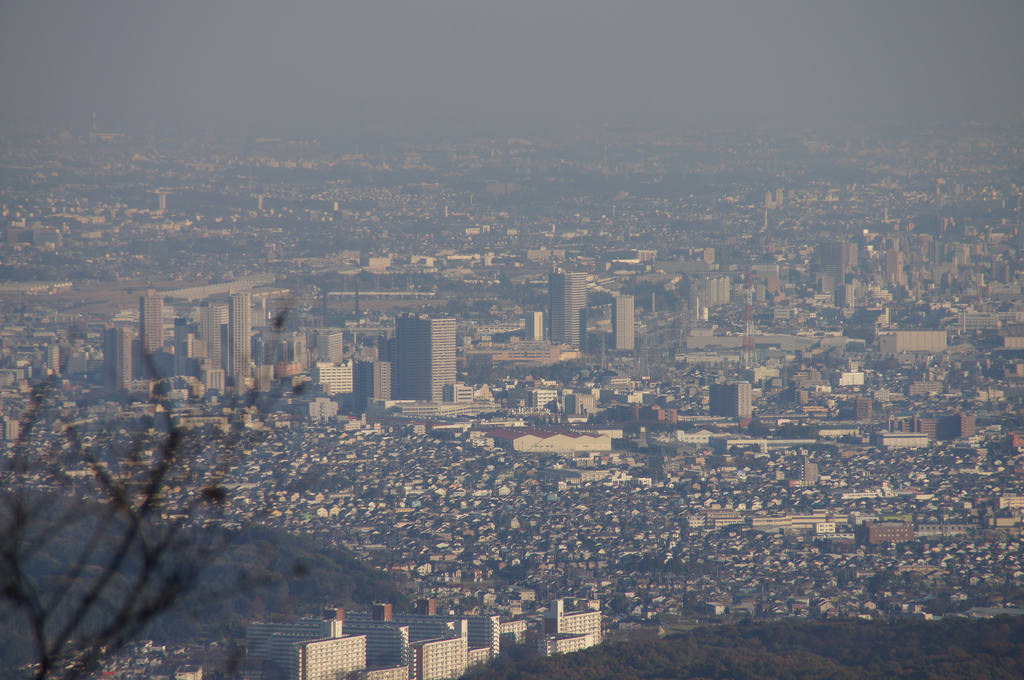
[[749, 348]]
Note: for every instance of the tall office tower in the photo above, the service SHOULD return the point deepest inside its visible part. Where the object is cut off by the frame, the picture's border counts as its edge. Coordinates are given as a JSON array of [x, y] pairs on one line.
[[370, 380], [291, 349], [835, 259], [330, 346], [534, 326], [213, 317], [259, 314], [622, 322], [151, 322], [117, 356], [426, 356], [185, 349], [894, 271], [240, 341], [567, 296], [732, 400]]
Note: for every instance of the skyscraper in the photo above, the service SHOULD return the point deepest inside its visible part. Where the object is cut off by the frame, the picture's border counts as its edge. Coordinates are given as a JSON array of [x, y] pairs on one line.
[[567, 296], [835, 259], [426, 356], [240, 341], [185, 341], [622, 322], [117, 356], [330, 346], [894, 272], [535, 326], [370, 380], [151, 322], [213, 317]]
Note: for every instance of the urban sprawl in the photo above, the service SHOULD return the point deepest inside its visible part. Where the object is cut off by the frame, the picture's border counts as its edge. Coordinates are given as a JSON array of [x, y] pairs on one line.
[[560, 390]]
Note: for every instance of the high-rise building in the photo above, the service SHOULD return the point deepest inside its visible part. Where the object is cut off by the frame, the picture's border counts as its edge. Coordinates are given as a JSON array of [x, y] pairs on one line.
[[240, 341], [426, 356], [327, 659], [370, 380], [567, 296], [732, 400], [151, 322], [622, 322], [53, 358], [185, 349], [711, 292], [335, 378], [534, 326], [844, 296], [894, 271], [330, 347], [213, 319], [835, 259], [308, 649], [151, 334], [117, 356], [439, 659]]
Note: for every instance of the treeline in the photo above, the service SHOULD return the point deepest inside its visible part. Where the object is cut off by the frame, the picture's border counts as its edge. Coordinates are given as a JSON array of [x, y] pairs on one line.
[[788, 650]]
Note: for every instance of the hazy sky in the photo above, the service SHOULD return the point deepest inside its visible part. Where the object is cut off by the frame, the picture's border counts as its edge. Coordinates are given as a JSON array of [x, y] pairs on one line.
[[511, 67]]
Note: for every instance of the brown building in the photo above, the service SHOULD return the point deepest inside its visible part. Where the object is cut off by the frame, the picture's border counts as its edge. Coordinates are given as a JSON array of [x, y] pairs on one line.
[[885, 532], [956, 426]]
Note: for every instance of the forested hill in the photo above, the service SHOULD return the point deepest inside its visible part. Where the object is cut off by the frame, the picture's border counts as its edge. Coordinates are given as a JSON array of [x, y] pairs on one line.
[[260, 574], [786, 650], [290, 575]]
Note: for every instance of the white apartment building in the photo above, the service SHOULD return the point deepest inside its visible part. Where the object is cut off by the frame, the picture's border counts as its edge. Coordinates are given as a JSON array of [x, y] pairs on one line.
[[326, 659], [336, 378], [572, 632], [440, 659]]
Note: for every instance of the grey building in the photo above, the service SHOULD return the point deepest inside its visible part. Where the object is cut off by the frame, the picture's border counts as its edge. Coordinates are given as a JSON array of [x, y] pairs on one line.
[[567, 296], [623, 319], [426, 356]]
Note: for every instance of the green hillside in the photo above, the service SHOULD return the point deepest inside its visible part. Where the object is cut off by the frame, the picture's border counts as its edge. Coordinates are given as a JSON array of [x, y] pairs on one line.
[[789, 650]]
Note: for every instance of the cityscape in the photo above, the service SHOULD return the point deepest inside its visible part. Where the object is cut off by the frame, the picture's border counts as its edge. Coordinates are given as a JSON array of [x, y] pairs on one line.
[[516, 341], [782, 382]]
